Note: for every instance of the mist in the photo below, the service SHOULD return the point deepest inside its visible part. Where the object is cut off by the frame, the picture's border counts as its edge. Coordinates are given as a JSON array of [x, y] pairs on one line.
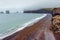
[[28, 4]]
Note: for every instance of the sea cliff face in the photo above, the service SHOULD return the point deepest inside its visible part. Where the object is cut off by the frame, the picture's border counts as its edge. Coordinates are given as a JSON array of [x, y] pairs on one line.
[[38, 11]]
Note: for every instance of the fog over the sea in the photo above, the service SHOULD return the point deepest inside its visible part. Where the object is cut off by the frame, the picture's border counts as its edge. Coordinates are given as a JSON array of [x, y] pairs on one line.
[[28, 4]]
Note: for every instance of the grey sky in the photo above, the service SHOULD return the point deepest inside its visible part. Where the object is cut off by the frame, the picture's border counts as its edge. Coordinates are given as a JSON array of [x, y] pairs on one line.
[[28, 4]]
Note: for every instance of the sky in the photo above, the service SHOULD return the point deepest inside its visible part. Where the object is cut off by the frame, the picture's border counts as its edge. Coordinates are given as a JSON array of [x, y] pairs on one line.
[[28, 4]]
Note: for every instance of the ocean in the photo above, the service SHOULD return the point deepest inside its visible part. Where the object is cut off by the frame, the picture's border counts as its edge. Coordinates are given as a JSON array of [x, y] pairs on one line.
[[12, 21]]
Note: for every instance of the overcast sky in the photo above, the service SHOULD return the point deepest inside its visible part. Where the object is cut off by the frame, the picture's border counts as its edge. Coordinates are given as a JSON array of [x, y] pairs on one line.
[[28, 4]]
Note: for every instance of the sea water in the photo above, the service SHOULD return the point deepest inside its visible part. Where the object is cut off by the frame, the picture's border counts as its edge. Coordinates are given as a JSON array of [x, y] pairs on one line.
[[9, 22]]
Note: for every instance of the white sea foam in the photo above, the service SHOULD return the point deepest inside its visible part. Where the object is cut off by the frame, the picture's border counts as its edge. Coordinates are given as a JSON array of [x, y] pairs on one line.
[[30, 23]]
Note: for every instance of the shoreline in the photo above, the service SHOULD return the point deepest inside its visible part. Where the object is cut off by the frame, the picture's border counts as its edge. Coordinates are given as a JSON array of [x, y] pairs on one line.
[[30, 23], [30, 31]]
